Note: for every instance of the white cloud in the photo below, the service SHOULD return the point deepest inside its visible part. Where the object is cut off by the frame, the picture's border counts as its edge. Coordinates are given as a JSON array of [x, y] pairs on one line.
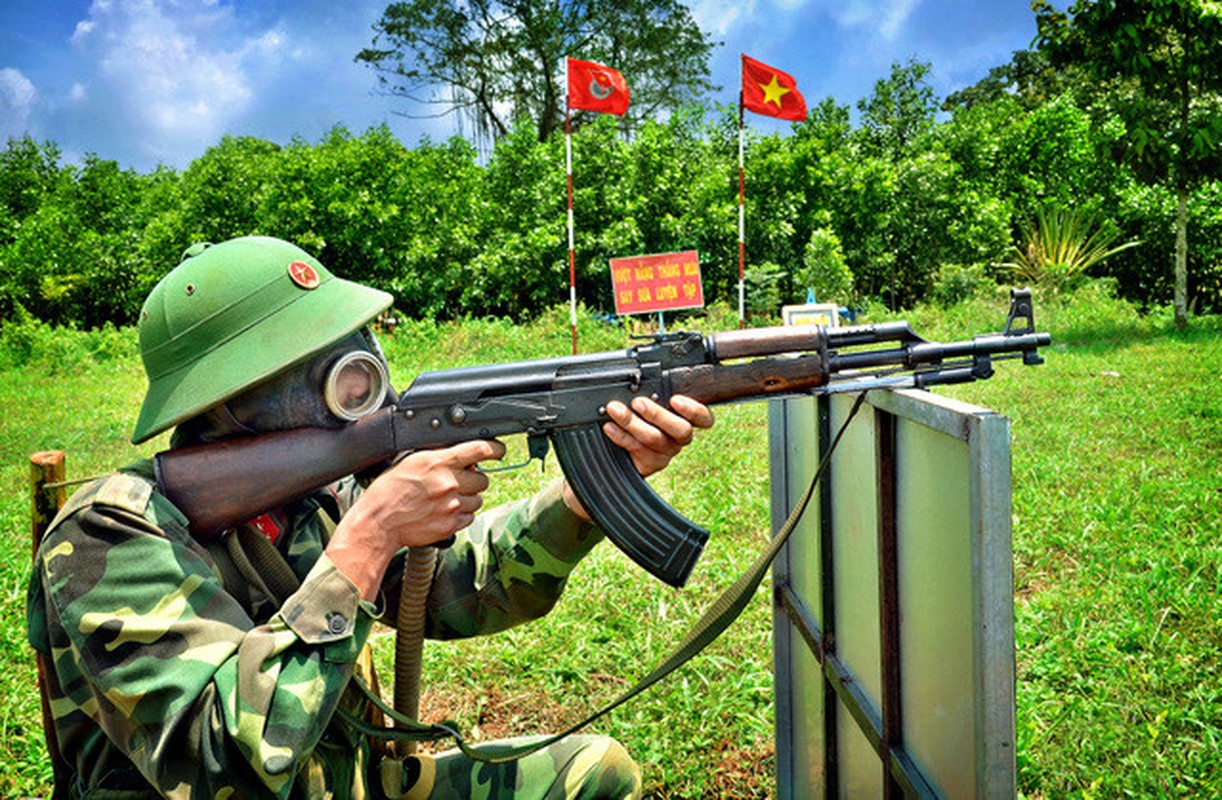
[[16, 89], [722, 17], [83, 29], [17, 99], [896, 17], [267, 44], [160, 81], [178, 70], [887, 16], [716, 17]]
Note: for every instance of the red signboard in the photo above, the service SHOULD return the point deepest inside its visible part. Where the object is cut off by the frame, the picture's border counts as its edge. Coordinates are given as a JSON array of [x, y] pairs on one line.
[[661, 282]]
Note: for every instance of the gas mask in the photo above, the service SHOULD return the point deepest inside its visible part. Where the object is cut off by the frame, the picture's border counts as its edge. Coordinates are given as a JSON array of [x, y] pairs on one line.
[[338, 385]]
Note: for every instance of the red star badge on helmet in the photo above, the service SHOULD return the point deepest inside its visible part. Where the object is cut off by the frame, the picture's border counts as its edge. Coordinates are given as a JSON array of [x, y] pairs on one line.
[[303, 275]]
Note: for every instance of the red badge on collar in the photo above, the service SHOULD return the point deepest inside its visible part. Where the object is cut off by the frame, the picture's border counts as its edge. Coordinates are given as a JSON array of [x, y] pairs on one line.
[[303, 275], [266, 525]]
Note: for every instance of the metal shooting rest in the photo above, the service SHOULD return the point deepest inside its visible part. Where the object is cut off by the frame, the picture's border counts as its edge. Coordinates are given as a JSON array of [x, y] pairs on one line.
[[893, 604]]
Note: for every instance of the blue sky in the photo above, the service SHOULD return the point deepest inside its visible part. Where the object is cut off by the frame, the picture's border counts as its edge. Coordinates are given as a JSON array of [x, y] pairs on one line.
[[145, 82]]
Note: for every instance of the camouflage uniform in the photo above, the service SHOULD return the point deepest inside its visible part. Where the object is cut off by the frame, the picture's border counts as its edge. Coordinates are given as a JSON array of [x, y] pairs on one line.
[[167, 675]]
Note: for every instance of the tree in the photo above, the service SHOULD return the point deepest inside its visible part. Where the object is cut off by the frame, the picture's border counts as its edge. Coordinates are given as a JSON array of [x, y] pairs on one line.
[[901, 110], [28, 174], [1163, 61], [826, 272], [1029, 77], [74, 260], [497, 60]]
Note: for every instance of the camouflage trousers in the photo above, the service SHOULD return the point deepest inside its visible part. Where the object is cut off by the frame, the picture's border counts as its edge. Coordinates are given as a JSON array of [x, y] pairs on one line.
[[575, 768]]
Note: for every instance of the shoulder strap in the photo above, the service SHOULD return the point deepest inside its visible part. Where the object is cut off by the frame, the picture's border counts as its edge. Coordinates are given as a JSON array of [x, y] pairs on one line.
[[260, 563]]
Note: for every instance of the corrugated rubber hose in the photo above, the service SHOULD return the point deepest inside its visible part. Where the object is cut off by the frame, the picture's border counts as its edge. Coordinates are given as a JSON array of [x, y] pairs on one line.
[[418, 569]]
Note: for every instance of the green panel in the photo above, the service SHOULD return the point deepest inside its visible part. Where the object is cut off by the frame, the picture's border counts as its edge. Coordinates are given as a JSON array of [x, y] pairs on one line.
[[799, 447], [855, 548], [803, 455], [937, 602], [855, 555], [860, 770]]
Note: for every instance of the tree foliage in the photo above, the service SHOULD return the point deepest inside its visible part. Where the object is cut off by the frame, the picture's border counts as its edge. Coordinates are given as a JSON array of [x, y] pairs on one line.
[[901, 206], [1029, 78], [1162, 62], [901, 109], [496, 61]]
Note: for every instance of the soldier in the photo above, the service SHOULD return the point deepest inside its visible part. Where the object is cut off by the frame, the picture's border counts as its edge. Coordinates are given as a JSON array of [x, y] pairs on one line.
[[181, 669]]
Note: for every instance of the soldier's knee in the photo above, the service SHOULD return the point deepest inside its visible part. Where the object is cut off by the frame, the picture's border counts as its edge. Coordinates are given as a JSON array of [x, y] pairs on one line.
[[600, 768]]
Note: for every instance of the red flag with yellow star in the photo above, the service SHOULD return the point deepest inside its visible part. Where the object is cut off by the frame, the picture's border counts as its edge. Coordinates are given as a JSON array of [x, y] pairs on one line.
[[770, 92]]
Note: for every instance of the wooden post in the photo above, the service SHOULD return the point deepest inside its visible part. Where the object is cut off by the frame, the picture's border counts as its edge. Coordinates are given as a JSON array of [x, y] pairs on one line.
[[45, 501], [46, 467]]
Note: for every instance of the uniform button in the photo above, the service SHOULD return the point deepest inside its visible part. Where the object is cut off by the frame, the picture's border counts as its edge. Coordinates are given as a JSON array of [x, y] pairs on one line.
[[337, 623]]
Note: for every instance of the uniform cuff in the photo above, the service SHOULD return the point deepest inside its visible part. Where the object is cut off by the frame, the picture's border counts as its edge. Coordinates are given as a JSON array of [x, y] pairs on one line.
[[328, 610], [566, 535]]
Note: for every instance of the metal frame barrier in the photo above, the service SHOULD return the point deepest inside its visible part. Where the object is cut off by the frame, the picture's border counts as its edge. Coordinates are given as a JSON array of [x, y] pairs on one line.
[[893, 604]]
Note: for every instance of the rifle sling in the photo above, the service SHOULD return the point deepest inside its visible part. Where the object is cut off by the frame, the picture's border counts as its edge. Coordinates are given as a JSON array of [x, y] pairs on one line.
[[719, 616]]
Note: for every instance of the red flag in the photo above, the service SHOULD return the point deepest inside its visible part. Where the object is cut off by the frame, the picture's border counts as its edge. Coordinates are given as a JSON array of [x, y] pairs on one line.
[[771, 92], [594, 87]]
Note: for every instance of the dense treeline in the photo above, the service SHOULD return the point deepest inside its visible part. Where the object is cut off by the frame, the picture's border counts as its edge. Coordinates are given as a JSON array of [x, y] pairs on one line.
[[903, 205]]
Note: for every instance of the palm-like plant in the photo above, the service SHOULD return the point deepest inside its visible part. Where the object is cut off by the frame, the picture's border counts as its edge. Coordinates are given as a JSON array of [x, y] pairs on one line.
[[1061, 246]]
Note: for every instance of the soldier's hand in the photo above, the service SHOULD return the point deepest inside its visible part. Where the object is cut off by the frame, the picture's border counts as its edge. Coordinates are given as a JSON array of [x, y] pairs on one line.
[[431, 494], [653, 435], [423, 499]]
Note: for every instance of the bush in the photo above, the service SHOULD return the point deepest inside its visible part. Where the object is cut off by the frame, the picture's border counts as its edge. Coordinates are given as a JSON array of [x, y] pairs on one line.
[[763, 285], [28, 341], [1062, 245], [958, 282], [826, 272]]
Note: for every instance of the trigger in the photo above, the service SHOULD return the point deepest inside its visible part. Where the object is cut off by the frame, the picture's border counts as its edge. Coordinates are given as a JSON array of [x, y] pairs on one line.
[[536, 446]]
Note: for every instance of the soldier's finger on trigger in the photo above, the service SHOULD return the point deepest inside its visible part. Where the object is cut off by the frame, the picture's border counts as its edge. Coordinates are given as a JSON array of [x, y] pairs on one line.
[[469, 454], [471, 482]]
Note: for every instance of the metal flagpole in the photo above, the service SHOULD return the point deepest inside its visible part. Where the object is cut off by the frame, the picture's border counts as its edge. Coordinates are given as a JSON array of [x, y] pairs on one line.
[[568, 168], [742, 219]]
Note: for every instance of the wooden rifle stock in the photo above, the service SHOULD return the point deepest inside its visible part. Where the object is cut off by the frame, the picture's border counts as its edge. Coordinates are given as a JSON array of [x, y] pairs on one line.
[[223, 484]]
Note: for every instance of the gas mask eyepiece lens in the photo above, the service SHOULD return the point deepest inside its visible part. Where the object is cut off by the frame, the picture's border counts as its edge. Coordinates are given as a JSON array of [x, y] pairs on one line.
[[356, 385]]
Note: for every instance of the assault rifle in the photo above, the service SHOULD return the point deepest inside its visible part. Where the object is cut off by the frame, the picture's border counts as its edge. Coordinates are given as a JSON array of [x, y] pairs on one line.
[[561, 403]]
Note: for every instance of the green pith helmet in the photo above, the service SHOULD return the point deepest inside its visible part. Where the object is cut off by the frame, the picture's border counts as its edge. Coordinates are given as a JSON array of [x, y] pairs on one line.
[[232, 315]]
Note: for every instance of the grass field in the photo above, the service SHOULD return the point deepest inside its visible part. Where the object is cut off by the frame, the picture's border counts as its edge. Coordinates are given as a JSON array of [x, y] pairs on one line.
[[1117, 452]]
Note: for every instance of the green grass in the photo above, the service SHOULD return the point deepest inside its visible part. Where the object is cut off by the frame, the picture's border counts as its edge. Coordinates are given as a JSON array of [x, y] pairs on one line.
[[1117, 449]]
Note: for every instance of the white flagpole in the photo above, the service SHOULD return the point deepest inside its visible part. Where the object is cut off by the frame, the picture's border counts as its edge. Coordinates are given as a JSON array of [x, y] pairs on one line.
[[568, 169], [742, 219]]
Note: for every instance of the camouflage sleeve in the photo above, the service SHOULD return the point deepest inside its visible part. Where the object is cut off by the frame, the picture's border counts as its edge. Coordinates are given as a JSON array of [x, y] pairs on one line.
[[202, 700], [510, 566]]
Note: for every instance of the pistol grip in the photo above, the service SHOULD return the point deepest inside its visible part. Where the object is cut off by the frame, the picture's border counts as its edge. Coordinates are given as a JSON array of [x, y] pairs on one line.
[[625, 507]]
